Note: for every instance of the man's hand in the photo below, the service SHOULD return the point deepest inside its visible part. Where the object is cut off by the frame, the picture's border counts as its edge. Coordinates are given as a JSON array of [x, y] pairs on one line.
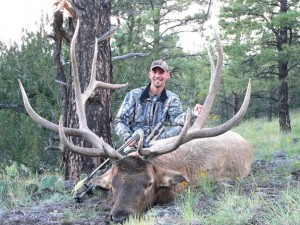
[[197, 110], [133, 144], [136, 135]]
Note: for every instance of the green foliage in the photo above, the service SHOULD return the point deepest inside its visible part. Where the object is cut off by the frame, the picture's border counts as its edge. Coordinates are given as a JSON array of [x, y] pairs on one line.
[[48, 182], [267, 138], [11, 170], [205, 184], [3, 189], [261, 37], [22, 140], [233, 208], [285, 209], [288, 19], [31, 187], [18, 186], [187, 204]]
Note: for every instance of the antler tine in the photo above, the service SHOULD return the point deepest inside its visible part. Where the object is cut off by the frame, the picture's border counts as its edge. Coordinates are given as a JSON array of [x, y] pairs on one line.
[[40, 120], [101, 147], [214, 131], [64, 142], [150, 153], [140, 142], [110, 33], [215, 80], [93, 84], [80, 104], [43, 122], [212, 69]]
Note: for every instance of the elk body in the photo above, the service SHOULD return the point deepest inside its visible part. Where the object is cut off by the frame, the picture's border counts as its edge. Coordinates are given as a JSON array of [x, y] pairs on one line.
[[152, 175], [136, 184]]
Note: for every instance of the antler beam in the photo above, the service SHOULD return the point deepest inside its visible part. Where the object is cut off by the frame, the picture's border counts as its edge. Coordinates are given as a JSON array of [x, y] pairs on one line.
[[100, 146]]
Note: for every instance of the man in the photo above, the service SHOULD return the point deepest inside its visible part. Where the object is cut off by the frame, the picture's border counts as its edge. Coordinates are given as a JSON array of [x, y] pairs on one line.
[[152, 108]]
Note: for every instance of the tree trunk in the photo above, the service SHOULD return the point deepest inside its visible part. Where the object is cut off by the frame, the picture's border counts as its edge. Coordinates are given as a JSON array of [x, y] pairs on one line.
[[58, 35], [284, 118], [270, 108], [94, 21], [224, 104], [282, 39], [235, 102]]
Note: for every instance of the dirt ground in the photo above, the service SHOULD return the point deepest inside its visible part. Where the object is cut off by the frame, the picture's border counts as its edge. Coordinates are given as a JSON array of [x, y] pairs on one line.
[[94, 210]]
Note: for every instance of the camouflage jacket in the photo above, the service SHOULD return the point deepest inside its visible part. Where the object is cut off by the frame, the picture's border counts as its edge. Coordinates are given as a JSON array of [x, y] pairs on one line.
[[140, 110]]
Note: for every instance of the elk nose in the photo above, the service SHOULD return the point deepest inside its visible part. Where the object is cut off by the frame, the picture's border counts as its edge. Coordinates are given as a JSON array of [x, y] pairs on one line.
[[119, 216]]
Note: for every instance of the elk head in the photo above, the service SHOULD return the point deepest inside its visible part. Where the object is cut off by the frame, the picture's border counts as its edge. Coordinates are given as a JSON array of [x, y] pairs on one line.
[[136, 181]]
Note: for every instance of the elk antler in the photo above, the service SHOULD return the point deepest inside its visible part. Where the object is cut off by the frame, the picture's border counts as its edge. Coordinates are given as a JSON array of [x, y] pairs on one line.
[[150, 154], [101, 147], [197, 131], [216, 73]]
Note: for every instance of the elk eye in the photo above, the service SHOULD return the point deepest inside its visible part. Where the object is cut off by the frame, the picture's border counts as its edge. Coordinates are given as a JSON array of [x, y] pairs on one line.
[[150, 184]]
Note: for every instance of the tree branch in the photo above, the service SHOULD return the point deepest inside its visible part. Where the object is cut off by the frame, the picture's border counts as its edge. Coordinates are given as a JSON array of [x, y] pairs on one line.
[[129, 55]]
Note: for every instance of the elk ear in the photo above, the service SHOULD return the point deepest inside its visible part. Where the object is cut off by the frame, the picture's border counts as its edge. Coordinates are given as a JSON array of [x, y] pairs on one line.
[[103, 181], [171, 178]]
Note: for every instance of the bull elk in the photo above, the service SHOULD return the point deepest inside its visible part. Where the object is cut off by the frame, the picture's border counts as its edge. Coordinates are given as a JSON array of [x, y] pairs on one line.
[[153, 175]]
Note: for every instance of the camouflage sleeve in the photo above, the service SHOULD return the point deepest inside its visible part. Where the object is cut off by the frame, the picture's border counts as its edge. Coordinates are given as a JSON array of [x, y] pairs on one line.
[[125, 117], [175, 112], [177, 116], [181, 118]]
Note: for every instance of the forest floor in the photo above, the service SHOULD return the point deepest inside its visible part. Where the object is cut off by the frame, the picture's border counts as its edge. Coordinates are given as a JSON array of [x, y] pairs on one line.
[[267, 178]]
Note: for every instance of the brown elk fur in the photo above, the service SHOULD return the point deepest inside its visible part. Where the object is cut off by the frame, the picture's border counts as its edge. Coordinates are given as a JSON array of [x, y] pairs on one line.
[[224, 157], [227, 156]]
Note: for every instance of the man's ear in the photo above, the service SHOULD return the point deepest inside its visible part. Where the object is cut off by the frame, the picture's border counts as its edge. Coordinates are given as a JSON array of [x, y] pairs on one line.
[[104, 180], [170, 178], [169, 75]]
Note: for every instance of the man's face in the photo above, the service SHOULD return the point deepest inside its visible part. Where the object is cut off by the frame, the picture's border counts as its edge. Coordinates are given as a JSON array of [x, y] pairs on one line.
[[158, 77]]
